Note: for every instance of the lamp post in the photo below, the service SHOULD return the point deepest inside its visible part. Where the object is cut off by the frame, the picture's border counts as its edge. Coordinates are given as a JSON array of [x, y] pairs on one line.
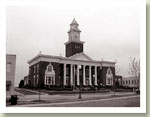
[[39, 88], [80, 83], [39, 93], [114, 86]]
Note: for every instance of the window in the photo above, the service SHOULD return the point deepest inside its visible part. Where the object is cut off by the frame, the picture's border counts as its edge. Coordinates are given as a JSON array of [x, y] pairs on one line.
[[109, 71], [8, 67], [37, 79], [49, 75], [49, 80], [109, 77], [7, 88], [34, 69], [87, 81], [67, 80], [135, 81], [34, 80], [49, 68], [77, 47], [132, 82], [67, 70], [8, 83], [29, 71], [37, 68], [108, 81]]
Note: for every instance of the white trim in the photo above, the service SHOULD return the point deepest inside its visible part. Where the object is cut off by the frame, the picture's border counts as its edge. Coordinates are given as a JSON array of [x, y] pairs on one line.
[[80, 54], [49, 74], [59, 59]]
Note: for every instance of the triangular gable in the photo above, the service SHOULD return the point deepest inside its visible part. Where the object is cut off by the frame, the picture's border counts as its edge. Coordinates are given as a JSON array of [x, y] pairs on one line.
[[81, 56]]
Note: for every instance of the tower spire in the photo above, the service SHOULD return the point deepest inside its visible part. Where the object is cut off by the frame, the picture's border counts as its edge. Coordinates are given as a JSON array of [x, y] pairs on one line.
[[74, 44], [74, 22]]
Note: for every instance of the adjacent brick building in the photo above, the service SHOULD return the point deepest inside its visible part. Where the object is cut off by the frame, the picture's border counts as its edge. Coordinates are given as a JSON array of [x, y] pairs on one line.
[[10, 73]]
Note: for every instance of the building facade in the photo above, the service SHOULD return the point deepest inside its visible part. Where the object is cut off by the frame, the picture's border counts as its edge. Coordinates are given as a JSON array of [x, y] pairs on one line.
[[132, 82], [10, 73], [74, 70], [118, 81]]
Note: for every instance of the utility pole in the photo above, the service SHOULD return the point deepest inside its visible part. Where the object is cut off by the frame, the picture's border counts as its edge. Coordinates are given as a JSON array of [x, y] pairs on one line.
[[39, 88], [80, 97]]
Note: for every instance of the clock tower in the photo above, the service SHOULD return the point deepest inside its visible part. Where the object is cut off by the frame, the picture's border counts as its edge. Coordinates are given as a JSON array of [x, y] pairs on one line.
[[74, 45]]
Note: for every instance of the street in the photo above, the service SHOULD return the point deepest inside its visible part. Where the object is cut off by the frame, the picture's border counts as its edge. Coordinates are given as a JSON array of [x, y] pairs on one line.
[[127, 101]]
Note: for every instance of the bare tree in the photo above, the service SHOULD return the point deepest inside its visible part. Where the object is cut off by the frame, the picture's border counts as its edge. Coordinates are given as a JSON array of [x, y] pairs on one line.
[[117, 69], [134, 68]]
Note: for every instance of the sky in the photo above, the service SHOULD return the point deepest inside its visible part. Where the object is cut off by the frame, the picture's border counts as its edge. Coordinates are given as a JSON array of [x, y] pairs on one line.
[[111, 31]]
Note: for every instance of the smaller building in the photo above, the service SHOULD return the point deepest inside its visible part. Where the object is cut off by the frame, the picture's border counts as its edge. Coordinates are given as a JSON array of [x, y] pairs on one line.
[[10, 73], [118, 81], [26, 81], [132, 82]]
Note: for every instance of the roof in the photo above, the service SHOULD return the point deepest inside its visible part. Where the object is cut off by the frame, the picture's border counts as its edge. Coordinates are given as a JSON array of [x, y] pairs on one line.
[[76, 57], [10, 55], [74, 22], [81, 56]]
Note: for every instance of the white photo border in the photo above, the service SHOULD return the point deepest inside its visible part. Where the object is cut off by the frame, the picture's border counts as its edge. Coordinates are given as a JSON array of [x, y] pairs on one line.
[[4, 109]]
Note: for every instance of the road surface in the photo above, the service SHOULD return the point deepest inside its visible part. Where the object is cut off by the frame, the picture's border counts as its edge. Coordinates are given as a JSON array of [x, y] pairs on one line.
[[127, 101]]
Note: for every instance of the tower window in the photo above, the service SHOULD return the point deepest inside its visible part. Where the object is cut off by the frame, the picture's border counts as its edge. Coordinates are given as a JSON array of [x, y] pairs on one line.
[[77, 47], [75, 37]]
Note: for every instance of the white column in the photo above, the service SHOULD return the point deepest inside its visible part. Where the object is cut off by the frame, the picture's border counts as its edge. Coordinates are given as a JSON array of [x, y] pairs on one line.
[[95, 75], [74, 72], [84, 75], [45, 80], [78, 80], [64, 74], [71, 74], [90, 78]]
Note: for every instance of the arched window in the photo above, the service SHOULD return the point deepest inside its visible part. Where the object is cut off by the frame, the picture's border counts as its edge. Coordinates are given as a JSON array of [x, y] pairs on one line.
[[49, 69], [109, 77], [109, 73], [49, 75]]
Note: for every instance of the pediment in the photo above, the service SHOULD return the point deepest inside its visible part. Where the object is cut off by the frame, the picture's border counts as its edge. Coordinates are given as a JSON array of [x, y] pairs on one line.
[[81, 56]]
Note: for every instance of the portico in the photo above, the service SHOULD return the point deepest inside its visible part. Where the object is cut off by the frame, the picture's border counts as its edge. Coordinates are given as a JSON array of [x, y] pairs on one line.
[[78, 69]]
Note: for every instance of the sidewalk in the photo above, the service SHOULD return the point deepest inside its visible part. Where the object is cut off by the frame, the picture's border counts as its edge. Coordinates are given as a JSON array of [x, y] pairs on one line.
[[34, 99]]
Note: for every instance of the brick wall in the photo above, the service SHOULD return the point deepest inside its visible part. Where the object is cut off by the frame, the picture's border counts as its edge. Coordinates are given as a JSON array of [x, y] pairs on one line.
[[73, 48]]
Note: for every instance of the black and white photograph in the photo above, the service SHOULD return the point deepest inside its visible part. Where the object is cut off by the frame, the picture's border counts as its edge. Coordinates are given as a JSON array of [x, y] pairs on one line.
[[75, 54]]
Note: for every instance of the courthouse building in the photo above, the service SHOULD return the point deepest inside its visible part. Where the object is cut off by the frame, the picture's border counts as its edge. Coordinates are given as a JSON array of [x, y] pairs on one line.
[[74, 70]]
